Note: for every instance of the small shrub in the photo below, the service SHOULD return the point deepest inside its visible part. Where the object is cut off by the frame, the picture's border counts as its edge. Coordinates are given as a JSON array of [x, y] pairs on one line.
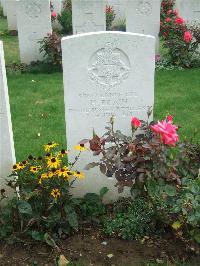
[[131, 219], [50, 46], [110, 16], [120, 25], [177, 36], [43, 204], [1, 12], [65, 18]]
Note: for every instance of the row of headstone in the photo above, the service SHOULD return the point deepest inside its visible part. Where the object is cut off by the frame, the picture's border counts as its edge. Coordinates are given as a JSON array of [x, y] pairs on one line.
[[7, 151], [141, 16], [116, 77]]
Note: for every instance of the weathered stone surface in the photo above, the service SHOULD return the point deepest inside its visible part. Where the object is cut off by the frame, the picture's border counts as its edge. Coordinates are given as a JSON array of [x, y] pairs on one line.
[[119, 8], [105, 74], [189, 10], [34, 23], [7, 152], [88, 16], [11, 14], [143, 16]]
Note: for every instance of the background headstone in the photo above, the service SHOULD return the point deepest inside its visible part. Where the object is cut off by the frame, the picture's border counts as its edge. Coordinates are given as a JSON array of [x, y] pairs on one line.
[[119, 8], [3, 4], [34, 23], [105, 74], [57, 4], [143, 16], [189, 10], [11, 14], [7, 152], [88, 16]]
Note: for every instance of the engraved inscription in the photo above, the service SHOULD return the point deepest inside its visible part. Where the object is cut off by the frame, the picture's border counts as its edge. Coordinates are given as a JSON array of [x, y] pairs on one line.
[[109, 66], [33, 10], [107, 104], [88, 24], [144, 7]]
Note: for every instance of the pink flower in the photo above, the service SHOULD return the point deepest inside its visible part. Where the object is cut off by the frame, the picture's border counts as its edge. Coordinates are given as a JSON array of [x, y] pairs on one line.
[[176, 12], [168, 19], [169, 12], [170, 118], [187, 36], [179, 20], [167, 131], [135, 122], [53, 14]]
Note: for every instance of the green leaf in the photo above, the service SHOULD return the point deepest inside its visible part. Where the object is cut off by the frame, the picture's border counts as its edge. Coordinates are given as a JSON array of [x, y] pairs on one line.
[[72, 217], [49, 240], [24, 207], [170, 190], [37, 235], [103, 191]]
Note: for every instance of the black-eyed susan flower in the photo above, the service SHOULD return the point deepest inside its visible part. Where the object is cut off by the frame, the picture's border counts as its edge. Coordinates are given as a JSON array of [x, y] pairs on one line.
[[55, 193], [63, 152], [34, 169], [49, 146], [80, 147], [53, 162], [65, 172], [79, 175]]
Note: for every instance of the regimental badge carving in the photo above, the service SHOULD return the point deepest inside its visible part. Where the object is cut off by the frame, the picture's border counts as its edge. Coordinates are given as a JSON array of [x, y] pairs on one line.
[[33, 10], [109, 66], [144, 7]]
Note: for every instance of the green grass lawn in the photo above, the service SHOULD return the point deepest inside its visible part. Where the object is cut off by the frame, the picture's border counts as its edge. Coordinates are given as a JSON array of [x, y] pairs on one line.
[[37, 104]]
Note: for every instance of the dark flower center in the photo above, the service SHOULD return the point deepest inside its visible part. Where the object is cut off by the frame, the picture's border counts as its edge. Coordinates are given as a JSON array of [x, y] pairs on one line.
[[15, 166], [30, 157], [53, 160], [50, 143], [63, 151], [78, 172], [82, 145]]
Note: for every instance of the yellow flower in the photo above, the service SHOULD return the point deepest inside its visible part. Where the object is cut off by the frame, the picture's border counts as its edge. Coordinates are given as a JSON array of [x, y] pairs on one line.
[[79, 175], [176, 225], [34, 169], [65, 172], [19, 166], [49, 146], [53, 162], [62, 153], [80, 147], [55, 193]]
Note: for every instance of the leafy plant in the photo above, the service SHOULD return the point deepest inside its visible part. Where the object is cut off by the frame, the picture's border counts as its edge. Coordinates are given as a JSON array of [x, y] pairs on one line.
[[43, 203], [120, 25], [176, 36], [131, 219], [65, 18], [110, 16], [50, 46]]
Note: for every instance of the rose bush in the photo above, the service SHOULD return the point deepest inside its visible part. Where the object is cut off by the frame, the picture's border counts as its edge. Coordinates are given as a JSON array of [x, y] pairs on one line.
[[177, 36]]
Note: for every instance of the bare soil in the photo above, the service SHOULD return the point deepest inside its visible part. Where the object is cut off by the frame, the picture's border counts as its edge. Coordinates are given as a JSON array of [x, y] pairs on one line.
[[92, 248]]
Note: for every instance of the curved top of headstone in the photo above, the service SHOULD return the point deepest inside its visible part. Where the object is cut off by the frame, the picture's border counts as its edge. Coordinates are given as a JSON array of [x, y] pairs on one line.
[[107, 33]]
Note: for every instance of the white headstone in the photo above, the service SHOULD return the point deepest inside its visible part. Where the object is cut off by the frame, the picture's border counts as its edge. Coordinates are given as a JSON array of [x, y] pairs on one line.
[[34, 23], [3, 4], [57, 5], [143, 16], [7, 152], [11, 14], [119, 8], [88, 16], [105, 74], [189, 10]]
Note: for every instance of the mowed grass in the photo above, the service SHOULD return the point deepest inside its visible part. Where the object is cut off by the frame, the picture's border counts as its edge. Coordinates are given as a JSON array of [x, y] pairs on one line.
[[37, 103], [11, 45]]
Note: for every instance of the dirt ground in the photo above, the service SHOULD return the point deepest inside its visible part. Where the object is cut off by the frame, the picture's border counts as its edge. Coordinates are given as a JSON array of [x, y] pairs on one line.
[[92, 248]]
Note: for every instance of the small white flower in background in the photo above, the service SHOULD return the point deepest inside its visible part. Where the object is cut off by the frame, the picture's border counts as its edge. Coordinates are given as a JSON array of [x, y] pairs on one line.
[[110, 256], [33, 80], [38, 134]]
